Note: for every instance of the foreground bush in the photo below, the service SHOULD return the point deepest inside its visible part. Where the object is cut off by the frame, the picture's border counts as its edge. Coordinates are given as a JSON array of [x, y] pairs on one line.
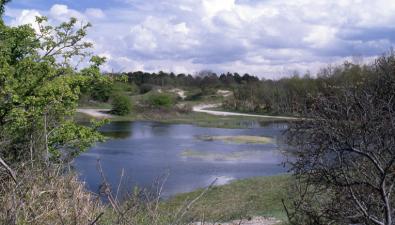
[[44, 196]]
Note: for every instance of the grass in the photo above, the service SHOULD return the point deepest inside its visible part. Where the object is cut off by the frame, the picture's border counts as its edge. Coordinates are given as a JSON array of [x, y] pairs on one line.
[[260, 196], [241, 139], [265, 113], [196, 118]]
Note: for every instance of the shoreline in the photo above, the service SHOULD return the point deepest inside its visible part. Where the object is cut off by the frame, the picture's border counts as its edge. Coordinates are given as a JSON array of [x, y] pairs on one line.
[[202, 108]]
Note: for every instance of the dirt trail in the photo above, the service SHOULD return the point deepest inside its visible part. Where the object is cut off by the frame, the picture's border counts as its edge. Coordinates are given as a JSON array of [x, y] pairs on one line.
[[97, 113], [204, 109]]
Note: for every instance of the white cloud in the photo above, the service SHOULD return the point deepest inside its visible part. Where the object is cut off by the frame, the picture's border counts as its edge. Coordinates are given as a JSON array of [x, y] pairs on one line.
[[212, 7], [95, 13], [268, 38], [26, 17], [60, 12], [320, 36]]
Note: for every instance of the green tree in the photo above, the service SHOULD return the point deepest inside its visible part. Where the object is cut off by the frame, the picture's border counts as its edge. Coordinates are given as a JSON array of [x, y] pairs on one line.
[[101, 90], [39, 90]]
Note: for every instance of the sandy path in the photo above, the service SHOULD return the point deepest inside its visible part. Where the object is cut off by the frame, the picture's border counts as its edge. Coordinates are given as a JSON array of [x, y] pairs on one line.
[[97, 113], [203, 109]]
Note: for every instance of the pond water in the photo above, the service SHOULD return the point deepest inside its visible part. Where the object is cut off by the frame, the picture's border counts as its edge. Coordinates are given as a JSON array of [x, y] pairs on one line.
[[146, 151]]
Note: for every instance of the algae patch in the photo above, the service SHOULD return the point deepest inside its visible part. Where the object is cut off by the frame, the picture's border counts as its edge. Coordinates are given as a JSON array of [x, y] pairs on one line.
[[238, 156], [217, 156], [241, 139]]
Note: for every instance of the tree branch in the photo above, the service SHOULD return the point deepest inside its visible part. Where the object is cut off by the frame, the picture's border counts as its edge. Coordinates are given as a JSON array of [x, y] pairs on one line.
[[9, 170]]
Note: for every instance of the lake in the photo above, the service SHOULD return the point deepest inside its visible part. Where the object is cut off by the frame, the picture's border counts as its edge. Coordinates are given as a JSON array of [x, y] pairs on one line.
[[146, 151]]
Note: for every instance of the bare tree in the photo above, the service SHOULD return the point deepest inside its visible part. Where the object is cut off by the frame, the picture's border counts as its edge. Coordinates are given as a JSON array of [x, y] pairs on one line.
[[345, 155]]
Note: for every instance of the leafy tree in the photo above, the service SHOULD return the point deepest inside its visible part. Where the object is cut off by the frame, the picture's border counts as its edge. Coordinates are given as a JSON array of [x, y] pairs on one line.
[[39, 90], [101, 90]]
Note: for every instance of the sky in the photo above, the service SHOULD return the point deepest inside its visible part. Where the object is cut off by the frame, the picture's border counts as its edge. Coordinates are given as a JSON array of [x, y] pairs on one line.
[[266, 38]]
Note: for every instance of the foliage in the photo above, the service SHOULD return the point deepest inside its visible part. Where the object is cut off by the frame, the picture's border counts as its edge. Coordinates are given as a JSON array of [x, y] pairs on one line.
[[145, 88], [101, 90], [40, 88], [121, 105], [127, 88], [160, 100], [74, 139], [2, 4]]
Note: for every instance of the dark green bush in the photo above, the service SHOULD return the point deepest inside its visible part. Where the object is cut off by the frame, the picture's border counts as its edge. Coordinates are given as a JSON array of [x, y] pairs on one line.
[[160, 100], [145, 88], [121, 105]]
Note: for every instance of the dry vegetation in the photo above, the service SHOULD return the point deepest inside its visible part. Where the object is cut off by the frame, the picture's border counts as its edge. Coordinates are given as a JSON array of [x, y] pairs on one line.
[[46, 195]]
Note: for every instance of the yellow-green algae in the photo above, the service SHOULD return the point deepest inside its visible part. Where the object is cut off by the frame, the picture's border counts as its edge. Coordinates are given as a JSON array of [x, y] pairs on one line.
[[241, 139]]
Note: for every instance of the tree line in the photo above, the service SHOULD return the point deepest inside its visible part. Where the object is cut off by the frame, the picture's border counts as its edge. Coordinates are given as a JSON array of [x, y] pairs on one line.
[[288, 95]]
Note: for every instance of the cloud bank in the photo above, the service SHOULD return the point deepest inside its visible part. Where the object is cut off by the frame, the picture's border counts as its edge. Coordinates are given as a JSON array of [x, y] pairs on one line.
[[269, 38]]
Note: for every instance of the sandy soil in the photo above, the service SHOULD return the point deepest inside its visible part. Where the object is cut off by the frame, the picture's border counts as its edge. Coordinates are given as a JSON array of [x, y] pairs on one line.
[[224, 93], [259, 220], [97, 113], [179, 92], [204, 109]]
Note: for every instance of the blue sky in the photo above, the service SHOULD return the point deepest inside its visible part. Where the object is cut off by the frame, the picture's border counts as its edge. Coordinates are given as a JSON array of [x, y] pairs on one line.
[[268, 38]]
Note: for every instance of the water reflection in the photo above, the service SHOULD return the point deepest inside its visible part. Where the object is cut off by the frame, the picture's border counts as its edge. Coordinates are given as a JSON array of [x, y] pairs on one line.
[[147, 150]]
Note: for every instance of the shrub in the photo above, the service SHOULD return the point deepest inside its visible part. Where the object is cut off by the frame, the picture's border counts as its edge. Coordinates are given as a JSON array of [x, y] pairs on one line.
[[145, 88], [130, 88], [121, 105], [160, 100]]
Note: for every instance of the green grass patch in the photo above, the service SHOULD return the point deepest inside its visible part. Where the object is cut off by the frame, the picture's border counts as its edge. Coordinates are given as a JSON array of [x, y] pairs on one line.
[[203, 119], [259, 196], [199, 119]]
